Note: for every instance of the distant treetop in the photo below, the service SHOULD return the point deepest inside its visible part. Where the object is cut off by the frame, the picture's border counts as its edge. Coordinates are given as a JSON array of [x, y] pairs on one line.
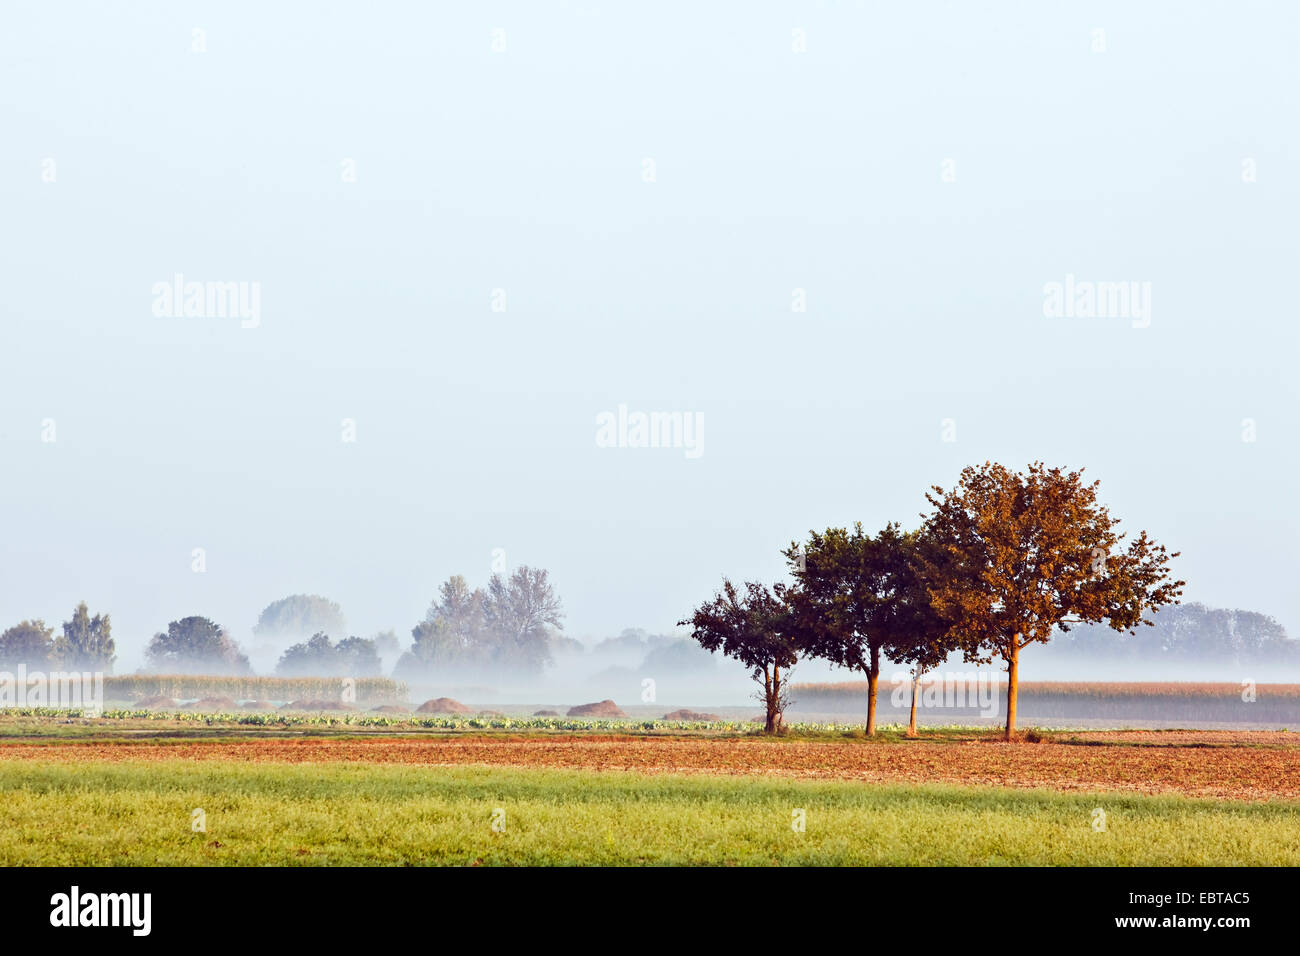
[[299, 615]]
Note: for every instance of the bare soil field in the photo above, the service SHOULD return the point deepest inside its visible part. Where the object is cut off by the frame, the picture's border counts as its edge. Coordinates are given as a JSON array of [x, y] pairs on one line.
[[1250, 766]]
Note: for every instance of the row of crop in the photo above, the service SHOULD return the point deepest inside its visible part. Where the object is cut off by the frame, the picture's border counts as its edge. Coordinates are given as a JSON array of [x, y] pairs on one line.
[[366, 690], [625, 725]]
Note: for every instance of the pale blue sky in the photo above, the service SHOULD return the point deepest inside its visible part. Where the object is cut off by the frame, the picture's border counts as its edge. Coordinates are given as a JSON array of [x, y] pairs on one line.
[[522, 170]]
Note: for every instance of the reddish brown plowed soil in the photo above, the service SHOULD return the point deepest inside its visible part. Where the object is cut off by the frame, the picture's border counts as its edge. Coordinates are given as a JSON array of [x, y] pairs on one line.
[[1216, 764], [1185, 738]]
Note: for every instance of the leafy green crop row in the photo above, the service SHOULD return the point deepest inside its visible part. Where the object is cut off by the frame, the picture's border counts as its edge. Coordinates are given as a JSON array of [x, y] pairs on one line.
[[254, 719], [369, 690]]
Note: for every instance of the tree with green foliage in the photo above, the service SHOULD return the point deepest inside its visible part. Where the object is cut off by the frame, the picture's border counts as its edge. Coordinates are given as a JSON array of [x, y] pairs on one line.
[[298, 615], [358, 657], [86, 643], [314, 657], [195, 645], [523, 612], [453, 633], [858, 598], [320, 657], [755, 627], [514, 625], [27, 642], [925, 638]]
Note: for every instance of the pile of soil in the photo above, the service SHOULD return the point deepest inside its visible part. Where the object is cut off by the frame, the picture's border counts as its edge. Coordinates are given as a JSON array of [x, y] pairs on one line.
[[443, 705], [490, 713], [689, 715], [604, 708], [317, 705], [257, 705], [212, 703], [546, 713], [389, 709], [156, 702]]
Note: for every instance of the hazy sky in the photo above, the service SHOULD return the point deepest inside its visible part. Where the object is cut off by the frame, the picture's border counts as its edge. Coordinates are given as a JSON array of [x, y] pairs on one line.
[[921, 172]]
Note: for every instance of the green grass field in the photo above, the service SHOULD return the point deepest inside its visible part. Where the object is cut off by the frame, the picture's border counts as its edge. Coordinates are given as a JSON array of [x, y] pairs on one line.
[[139, 813]]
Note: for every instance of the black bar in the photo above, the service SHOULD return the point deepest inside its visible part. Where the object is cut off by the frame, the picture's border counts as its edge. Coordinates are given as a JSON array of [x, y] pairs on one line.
[[237, 907]]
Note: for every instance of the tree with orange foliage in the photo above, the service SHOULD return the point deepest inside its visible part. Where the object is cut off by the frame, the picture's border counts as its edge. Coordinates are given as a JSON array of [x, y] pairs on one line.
[[1026, 553]]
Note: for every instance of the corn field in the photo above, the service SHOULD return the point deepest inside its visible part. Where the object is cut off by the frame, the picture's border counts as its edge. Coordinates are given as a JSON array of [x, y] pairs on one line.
[[1153, 700]]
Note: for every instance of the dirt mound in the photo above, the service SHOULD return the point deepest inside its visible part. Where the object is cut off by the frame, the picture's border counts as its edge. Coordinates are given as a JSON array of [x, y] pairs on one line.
[[546, 713], [212, 703], [257, 705], [490, 713], [603, 708], [689, 715], [443, 705], [390, 709], [156, 702], [317, 705]]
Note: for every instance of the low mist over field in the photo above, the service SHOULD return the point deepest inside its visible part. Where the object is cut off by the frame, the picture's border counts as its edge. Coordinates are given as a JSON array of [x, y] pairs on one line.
[[646, 671]]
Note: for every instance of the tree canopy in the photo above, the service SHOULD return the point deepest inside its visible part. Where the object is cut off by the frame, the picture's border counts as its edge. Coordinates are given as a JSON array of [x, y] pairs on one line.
[[195, 645], [1026, 553], [28, 642], [299, 615], [857, 597], [513, 625], [756, 627], [320, 657], [86, 643]]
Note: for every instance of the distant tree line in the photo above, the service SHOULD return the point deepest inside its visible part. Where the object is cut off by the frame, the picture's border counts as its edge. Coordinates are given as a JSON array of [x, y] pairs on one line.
[[657, 653], [1190, 633], [512, 625], [84, 644], [319, 657]]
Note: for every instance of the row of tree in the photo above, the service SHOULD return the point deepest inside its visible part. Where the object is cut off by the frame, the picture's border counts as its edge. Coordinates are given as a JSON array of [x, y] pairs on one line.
[[1190, 634], [1003, 560], [320, 657], [85, 644], [512, 625], [197, 645]]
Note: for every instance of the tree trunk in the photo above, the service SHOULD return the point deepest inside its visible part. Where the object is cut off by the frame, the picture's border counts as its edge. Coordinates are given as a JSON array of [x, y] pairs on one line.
[[873, 681], [916, 686], [769, 700], [775, 707], [1013, 690]]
